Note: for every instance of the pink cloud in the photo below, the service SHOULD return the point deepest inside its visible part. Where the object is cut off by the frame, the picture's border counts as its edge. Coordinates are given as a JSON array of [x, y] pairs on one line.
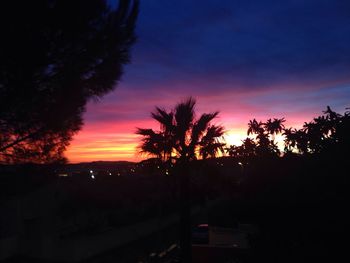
[[109, 131]]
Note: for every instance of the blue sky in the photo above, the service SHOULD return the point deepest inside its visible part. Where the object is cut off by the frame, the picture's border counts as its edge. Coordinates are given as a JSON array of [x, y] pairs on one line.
[[248, 59]]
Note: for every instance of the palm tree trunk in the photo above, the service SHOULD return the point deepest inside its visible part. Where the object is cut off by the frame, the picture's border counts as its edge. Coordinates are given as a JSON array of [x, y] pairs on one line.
[[185, 212]]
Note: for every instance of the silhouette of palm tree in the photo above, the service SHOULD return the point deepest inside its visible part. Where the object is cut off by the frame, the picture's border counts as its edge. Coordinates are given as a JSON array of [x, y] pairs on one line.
[[274, 126], [248, 148], [153, 143], [320, 133], [166, 120], [255, 127], [290, 139], [327, 134], [210, 144], [332, 115], [266, 146], [187, 137], [182, 134], [233, 150]]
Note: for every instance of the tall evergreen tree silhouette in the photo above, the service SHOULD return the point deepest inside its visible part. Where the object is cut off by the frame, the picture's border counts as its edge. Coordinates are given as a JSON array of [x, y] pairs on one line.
[[55, 57]]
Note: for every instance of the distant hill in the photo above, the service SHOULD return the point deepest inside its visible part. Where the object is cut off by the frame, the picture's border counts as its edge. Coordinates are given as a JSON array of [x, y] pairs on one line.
[[99, 165], [73, 167]]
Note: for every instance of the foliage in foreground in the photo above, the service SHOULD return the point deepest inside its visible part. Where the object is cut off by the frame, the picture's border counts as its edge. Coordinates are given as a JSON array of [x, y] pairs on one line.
[[55, 56]]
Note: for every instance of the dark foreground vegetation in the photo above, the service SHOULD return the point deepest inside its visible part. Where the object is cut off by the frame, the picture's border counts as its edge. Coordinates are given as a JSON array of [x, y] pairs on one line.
[[296, 201], [296, 197], [298, 204]]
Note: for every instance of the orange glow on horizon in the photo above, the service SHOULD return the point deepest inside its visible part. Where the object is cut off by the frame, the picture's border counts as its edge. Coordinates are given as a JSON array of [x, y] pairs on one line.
[[109, 132], [235, 137], [123, 147]]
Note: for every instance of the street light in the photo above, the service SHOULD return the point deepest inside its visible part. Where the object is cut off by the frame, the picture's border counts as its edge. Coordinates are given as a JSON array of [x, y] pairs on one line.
[[242, 167]]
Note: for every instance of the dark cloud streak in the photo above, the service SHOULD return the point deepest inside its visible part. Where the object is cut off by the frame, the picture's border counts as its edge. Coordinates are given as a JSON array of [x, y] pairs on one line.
[[246, 58], [268, 40]]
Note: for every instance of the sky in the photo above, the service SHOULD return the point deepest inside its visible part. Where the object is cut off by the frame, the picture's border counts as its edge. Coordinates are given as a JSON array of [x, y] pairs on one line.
[[245, 58]]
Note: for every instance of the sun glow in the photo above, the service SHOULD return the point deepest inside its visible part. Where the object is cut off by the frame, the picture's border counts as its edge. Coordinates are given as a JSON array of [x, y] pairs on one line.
[[234, 137]]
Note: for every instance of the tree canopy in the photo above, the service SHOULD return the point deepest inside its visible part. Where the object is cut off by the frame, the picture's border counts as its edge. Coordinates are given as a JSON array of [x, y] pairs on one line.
[[328, 133], [56, 55], [182, 135], [325, 134]]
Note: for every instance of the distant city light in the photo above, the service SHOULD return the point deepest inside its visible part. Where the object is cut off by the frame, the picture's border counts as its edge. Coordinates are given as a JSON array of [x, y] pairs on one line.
[[91, 171], [241, 164], [110, 173], [93, 177], [62, 175]]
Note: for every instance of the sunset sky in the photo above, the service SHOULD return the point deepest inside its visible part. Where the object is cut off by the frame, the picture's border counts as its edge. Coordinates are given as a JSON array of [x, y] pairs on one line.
[[248, 59]]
